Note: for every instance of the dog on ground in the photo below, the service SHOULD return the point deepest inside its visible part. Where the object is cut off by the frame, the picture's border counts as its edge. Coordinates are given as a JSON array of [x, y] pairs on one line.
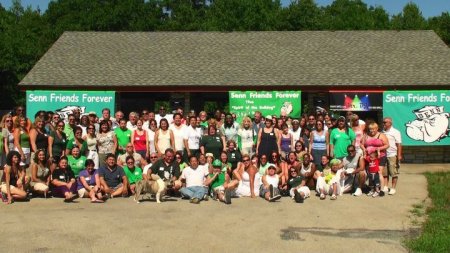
[[155, 185]]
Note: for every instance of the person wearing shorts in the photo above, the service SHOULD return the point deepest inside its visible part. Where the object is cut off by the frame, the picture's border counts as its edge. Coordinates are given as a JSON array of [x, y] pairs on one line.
[[393, 154]]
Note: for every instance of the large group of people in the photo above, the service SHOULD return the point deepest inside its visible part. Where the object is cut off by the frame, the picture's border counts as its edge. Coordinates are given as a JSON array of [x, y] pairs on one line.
[[198, 157]]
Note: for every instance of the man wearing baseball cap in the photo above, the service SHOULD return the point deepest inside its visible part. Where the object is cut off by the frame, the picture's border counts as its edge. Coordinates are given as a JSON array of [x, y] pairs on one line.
[[220, 183]]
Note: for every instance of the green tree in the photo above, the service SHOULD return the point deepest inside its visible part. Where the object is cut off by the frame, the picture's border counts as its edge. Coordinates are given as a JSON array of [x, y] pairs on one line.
[[410, 19], [380, 18], [104, 15], [244, 15], [185, 15], [23, 40], [348, 15], [302, 15], [441, 25]]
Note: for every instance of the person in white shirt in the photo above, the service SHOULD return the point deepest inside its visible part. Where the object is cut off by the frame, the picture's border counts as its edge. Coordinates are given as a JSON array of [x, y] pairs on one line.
[[179, 132], [163, 115], [393, 154], [296, 130], [269, 187], [192, 138], [132, 121], [195, 177]]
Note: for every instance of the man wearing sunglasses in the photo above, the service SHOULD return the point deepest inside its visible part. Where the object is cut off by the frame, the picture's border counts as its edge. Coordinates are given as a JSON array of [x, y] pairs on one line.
[[354, 170]]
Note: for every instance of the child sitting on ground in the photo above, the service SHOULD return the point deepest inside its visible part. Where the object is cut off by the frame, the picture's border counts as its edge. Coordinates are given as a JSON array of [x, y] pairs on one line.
[[330, 183], [374, 177]]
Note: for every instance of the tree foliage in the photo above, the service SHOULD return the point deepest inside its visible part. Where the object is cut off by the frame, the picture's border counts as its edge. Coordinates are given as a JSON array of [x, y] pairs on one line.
[[26, 34]]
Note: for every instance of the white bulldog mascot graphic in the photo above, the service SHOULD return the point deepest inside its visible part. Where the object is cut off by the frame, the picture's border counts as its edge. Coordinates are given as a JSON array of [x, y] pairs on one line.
[[286, 107], [66, 110], [430, 125]]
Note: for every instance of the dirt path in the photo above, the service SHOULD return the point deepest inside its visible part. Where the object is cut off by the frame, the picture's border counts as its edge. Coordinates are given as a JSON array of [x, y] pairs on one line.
[[349, 224]]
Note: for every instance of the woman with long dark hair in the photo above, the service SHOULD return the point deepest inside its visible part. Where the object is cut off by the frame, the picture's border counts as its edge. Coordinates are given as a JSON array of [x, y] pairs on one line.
[[13, 179]]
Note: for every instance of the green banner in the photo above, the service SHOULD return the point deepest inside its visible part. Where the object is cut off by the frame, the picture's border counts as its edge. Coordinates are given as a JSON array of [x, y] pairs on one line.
[[245, 103], [422, 117], [64, 102]]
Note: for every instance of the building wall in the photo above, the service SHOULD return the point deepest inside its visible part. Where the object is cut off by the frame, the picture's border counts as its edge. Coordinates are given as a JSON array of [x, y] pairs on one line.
[[426, 154]]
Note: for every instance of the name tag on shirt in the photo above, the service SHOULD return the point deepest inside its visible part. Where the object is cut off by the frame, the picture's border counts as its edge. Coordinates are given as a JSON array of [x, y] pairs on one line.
[[161, 168], [62, 177]]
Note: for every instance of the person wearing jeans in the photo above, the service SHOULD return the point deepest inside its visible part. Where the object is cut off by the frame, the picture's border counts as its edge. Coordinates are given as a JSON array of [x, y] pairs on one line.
[[194, 176]]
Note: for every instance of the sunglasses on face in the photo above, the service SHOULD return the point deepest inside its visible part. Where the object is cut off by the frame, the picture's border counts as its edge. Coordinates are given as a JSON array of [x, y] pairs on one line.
[[246, 160], [153, 157], [293, 171]]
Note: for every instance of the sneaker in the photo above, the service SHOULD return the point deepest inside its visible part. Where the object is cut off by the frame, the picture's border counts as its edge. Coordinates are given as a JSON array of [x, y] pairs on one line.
[[276, 197], [322, 196], [370, 193], [385, 189], [206, 197], [227, 197], [392, 191], [333, 197], [297, 197], [195, 201], [358, 192], [270, 191], [375, 194]]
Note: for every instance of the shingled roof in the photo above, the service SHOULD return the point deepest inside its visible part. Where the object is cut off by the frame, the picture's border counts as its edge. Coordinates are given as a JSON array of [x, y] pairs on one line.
[[243, 59]]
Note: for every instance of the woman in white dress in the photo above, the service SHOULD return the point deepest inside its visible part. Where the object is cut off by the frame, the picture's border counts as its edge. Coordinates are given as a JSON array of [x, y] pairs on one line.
[[248, 177]]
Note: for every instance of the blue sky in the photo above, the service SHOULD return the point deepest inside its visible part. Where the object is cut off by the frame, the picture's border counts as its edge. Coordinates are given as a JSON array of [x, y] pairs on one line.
[[429, 8]]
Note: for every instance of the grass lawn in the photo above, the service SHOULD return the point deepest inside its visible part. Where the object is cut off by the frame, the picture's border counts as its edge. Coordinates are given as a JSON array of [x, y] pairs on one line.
[[435, 236]]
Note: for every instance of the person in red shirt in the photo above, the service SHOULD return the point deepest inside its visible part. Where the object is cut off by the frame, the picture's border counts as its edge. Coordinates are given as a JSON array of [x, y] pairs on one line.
[[374, 178]]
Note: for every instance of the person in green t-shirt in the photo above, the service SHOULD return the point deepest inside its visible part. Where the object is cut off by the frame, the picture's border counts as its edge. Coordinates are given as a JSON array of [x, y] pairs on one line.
[[221, 185], [133, 173], [77, 141], [123, 135], [340, 138], [76, 160]]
